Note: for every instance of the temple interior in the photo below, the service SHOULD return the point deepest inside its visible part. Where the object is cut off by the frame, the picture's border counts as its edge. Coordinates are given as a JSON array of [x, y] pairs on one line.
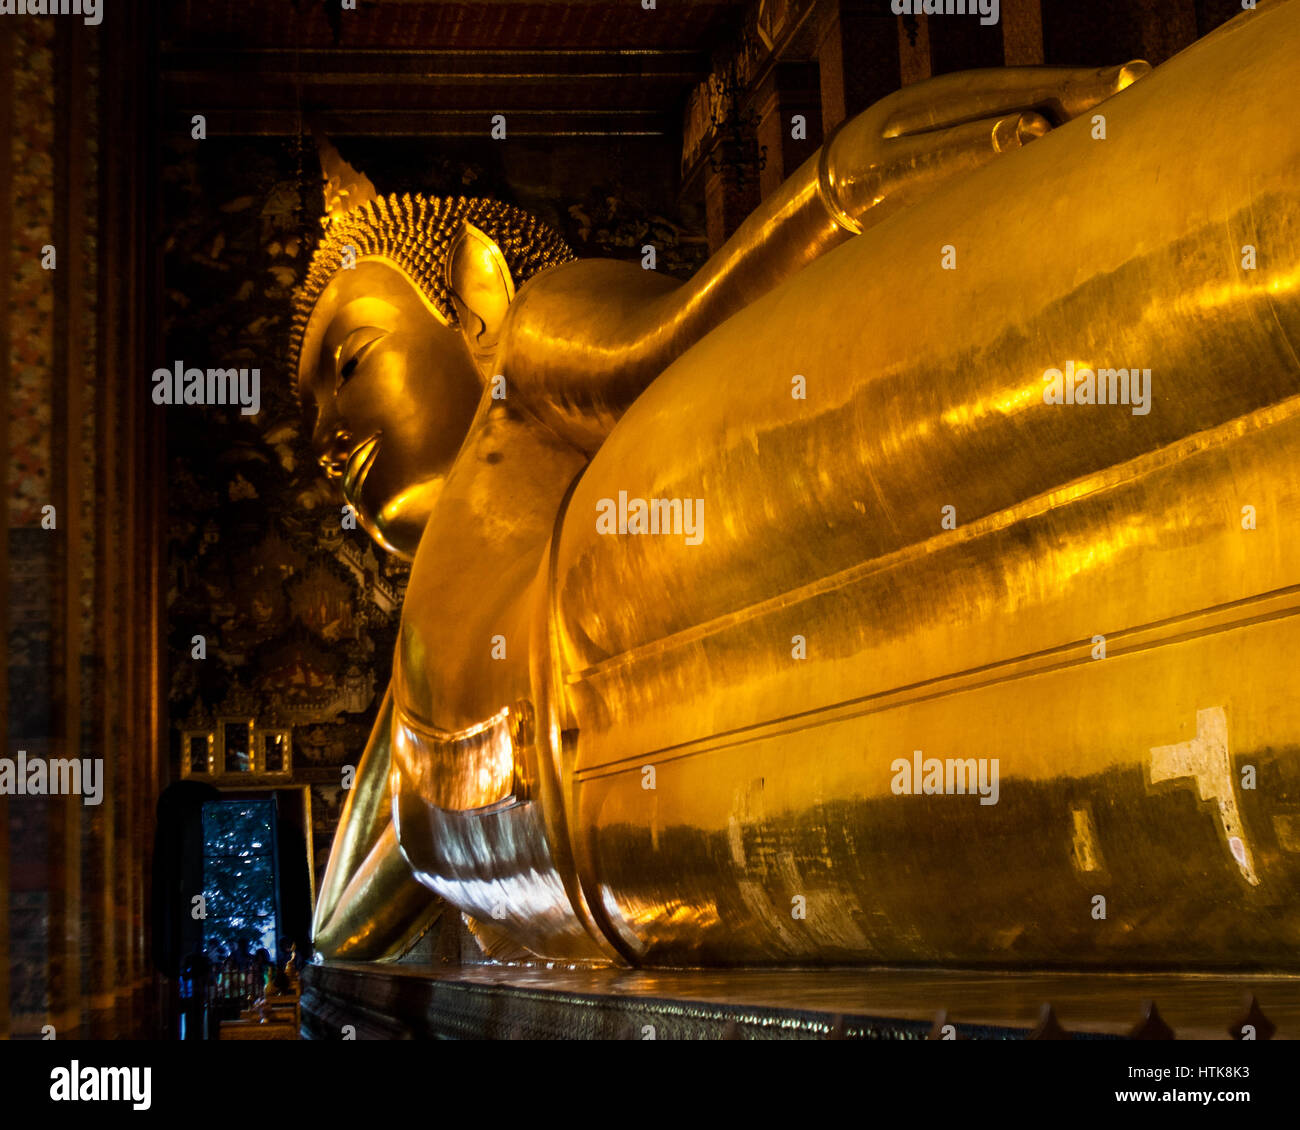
[[200, 634]]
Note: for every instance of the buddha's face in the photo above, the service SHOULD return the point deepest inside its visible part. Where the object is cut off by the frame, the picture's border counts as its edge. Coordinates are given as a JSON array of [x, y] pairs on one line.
[[394, 392]]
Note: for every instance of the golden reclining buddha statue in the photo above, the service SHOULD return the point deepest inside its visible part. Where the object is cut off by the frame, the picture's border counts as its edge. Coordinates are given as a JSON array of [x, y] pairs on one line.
[[913, 584]]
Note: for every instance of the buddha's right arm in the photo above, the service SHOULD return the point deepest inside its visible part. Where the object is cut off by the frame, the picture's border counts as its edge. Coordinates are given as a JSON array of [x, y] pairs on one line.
[[370, 905], [587, 338]]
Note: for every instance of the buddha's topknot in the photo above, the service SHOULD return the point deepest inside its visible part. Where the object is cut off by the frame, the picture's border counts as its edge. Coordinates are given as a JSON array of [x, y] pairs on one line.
[[415, 233]]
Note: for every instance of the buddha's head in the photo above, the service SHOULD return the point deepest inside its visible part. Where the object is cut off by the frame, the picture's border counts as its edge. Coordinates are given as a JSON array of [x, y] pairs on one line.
[[395, 325]]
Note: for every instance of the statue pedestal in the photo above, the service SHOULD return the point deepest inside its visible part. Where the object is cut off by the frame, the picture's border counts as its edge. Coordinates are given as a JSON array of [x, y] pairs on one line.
[[534, 1002]]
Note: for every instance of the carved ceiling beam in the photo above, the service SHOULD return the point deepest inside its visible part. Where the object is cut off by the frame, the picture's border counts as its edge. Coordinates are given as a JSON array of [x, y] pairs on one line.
[[447, 93]]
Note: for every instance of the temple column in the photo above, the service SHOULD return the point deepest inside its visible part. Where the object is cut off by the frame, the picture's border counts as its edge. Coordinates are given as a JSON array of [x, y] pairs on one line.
[[913, 49], [728, 198], [1117, 30], [150, 753], [790, 89], [858, 52], [964, 43], [6, 462], [82, 623], [33, 644], [100, 901], [72, 414], [1022, 32], [1167, 27], [103, 896]]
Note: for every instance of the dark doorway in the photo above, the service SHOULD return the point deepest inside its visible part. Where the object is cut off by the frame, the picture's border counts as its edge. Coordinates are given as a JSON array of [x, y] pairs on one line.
[[240, 880]]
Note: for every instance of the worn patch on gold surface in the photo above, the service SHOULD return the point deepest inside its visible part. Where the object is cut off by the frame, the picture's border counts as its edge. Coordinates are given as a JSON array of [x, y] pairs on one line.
[[1205, 760]]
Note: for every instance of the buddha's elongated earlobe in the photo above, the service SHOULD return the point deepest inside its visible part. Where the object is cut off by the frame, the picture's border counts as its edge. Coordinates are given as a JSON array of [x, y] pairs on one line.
[[482, 289]]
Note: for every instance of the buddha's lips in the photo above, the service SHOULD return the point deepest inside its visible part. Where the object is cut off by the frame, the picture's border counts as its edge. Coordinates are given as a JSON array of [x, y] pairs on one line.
[[358, 466]]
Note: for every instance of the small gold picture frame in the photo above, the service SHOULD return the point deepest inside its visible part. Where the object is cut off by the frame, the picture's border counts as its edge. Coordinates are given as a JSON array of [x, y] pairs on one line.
[[238, 750], [198, 753], [274, 752]]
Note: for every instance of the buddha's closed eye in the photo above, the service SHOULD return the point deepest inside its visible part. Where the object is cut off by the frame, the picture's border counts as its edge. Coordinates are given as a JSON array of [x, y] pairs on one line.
[[353, 351]]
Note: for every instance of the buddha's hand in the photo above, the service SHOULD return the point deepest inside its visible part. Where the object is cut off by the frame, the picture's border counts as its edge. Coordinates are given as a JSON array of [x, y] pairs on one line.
[[908, 144]]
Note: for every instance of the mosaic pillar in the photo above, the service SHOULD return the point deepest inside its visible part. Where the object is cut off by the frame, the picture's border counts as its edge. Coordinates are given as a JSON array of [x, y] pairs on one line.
[[1022, 32], [790, 90], [6, 375], [858, 54], [730, 193], [81, 527]]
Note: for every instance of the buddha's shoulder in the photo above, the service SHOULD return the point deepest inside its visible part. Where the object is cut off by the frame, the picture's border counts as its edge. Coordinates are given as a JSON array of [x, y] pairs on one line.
[[547, 302]]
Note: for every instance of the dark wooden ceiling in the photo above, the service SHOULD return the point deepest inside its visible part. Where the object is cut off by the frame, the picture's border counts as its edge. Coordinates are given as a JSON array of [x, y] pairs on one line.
[[579, 67]]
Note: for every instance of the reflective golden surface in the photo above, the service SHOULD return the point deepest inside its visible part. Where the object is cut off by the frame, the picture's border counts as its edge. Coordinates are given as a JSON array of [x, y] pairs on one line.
[[918, 554]]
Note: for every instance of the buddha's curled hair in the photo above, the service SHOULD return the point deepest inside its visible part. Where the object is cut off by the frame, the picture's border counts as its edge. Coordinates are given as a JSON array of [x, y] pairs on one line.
[[415, 233]]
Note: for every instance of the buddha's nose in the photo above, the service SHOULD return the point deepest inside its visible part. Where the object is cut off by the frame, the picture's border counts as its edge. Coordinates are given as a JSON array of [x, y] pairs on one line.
[[334, 452]]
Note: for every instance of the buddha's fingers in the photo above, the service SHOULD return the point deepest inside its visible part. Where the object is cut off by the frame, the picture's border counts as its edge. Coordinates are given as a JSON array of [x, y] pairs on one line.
[[961, 148], [913, 167], [1059, 93]]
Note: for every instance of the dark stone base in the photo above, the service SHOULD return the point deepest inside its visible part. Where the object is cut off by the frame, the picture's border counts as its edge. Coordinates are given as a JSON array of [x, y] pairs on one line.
[[497, 1002], [385, 1003]]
